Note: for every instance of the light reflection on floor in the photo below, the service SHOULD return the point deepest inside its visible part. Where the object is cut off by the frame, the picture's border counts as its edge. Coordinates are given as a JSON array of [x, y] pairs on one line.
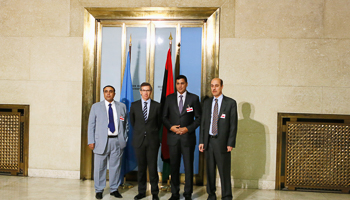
[[12, 187]]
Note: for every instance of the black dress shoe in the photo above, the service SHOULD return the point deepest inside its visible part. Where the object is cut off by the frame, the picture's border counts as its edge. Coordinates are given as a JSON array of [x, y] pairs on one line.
[[155, 197], [174, 197], [140, 196], [116, 194], [188, 198], [99, 195]]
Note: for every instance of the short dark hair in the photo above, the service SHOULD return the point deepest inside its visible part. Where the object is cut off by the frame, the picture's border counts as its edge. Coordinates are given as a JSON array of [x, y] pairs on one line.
[[145, 84], [109, 86], [181, 77]]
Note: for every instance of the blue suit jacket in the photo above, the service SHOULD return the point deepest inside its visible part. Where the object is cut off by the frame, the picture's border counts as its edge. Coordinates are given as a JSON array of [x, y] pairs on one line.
[[98, 126]]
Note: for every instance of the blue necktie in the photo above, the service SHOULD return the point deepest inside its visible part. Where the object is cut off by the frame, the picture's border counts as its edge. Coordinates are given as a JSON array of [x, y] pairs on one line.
[[111, 119]]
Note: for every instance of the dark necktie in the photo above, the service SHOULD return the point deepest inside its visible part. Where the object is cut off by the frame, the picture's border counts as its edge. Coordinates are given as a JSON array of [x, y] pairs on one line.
[[214, 127], [181, 104], [111, 119], [145, 112]]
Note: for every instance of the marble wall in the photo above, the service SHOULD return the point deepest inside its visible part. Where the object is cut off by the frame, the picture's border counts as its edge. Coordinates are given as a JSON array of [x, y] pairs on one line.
[[275, 56]]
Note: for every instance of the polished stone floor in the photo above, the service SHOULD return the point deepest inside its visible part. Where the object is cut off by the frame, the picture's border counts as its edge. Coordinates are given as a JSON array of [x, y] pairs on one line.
[[12, 187]]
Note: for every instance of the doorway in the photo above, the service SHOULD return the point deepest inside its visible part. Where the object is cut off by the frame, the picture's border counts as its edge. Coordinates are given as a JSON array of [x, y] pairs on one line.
[[107, 31]]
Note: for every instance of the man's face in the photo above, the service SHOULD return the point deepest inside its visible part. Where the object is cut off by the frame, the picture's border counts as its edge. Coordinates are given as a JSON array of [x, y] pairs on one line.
[[109, 94], [216, 87], [145, 92], [181, 85]]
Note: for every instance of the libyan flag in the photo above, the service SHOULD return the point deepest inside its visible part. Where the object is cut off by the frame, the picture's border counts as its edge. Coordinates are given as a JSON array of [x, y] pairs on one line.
[[168, 88]]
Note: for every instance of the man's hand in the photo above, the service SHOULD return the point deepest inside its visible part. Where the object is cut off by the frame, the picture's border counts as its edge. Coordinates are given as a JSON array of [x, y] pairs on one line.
[[183, 130], [175, 129], [92, 146], [201, 147], [229, 149]]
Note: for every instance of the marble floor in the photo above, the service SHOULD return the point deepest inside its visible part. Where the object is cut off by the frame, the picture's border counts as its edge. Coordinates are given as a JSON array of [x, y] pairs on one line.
[[12, 187]]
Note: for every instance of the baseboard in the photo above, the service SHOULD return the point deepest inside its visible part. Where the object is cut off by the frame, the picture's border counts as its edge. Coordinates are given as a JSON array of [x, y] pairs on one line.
[[249, 184]]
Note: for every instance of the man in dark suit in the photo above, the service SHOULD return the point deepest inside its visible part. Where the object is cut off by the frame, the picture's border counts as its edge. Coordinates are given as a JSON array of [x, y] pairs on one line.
[[145, 117], [107, 136], [181, 116], [218, 137]]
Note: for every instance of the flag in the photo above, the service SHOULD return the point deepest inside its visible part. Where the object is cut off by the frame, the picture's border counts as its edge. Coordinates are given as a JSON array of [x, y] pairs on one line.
[[168, 88], [129, 162]]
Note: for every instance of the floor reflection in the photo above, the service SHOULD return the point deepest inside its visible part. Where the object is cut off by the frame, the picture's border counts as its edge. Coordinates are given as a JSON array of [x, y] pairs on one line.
[[12, 187]]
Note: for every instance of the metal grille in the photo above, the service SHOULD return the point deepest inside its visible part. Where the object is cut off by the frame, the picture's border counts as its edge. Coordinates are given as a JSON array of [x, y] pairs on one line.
[[317, 155], [9, 141]]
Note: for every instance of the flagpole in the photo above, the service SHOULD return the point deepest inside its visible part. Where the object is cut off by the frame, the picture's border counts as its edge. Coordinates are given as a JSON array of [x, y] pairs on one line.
[[130, 48], [126, 185], [170, 42], [167, 187], [177, 61]]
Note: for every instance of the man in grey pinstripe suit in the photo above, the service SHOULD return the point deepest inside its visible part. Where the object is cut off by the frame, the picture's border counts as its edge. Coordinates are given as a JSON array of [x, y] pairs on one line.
[[107, 136]]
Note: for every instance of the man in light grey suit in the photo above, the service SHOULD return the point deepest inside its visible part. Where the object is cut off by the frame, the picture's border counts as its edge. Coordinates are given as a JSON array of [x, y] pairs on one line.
[[107, 136]]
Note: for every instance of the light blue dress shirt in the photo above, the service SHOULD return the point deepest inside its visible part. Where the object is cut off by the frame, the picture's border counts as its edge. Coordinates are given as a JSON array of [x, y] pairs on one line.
[[212, 110]]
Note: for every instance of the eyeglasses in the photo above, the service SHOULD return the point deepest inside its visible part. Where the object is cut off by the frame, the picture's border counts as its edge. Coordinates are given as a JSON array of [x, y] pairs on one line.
[[145, 90]]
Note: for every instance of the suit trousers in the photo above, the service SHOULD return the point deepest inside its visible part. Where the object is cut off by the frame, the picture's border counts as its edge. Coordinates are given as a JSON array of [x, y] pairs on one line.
[[147, 156], [214, 157], [175, 152], [114, 154]]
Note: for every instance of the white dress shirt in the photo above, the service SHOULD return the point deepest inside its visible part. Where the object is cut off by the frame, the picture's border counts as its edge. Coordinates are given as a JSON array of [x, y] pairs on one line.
[[183, 98], [115, 117], [212, 110]]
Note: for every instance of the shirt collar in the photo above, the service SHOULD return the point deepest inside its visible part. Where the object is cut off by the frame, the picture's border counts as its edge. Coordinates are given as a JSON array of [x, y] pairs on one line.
[[183, 94], [107, 103], [148, 101], [219, 98]]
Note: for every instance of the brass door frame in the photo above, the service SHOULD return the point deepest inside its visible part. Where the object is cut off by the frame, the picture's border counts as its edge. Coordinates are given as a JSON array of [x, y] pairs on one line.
[[91, 64]]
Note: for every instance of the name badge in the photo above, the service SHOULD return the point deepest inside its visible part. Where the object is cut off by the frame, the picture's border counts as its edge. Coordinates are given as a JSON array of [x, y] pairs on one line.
[[223, 116], [121, 118], [189, 109]]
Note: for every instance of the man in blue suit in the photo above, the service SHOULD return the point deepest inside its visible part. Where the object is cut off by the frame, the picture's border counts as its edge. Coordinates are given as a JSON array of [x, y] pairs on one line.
[[107, 136]]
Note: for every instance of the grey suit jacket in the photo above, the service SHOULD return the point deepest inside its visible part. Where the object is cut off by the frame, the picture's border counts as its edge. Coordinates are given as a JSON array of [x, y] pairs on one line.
[[98, 126]]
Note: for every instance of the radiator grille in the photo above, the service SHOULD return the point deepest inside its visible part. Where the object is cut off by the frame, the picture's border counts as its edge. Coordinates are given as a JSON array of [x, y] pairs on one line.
[[317, 155], [14, 139], [10, 141]]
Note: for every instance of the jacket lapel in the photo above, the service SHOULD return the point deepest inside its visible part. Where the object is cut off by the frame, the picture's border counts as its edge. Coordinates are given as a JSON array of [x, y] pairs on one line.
[[139, 107], [175, 103], [186, 104], [223, 106], [104, 111], [151, 109], [119, 113]]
